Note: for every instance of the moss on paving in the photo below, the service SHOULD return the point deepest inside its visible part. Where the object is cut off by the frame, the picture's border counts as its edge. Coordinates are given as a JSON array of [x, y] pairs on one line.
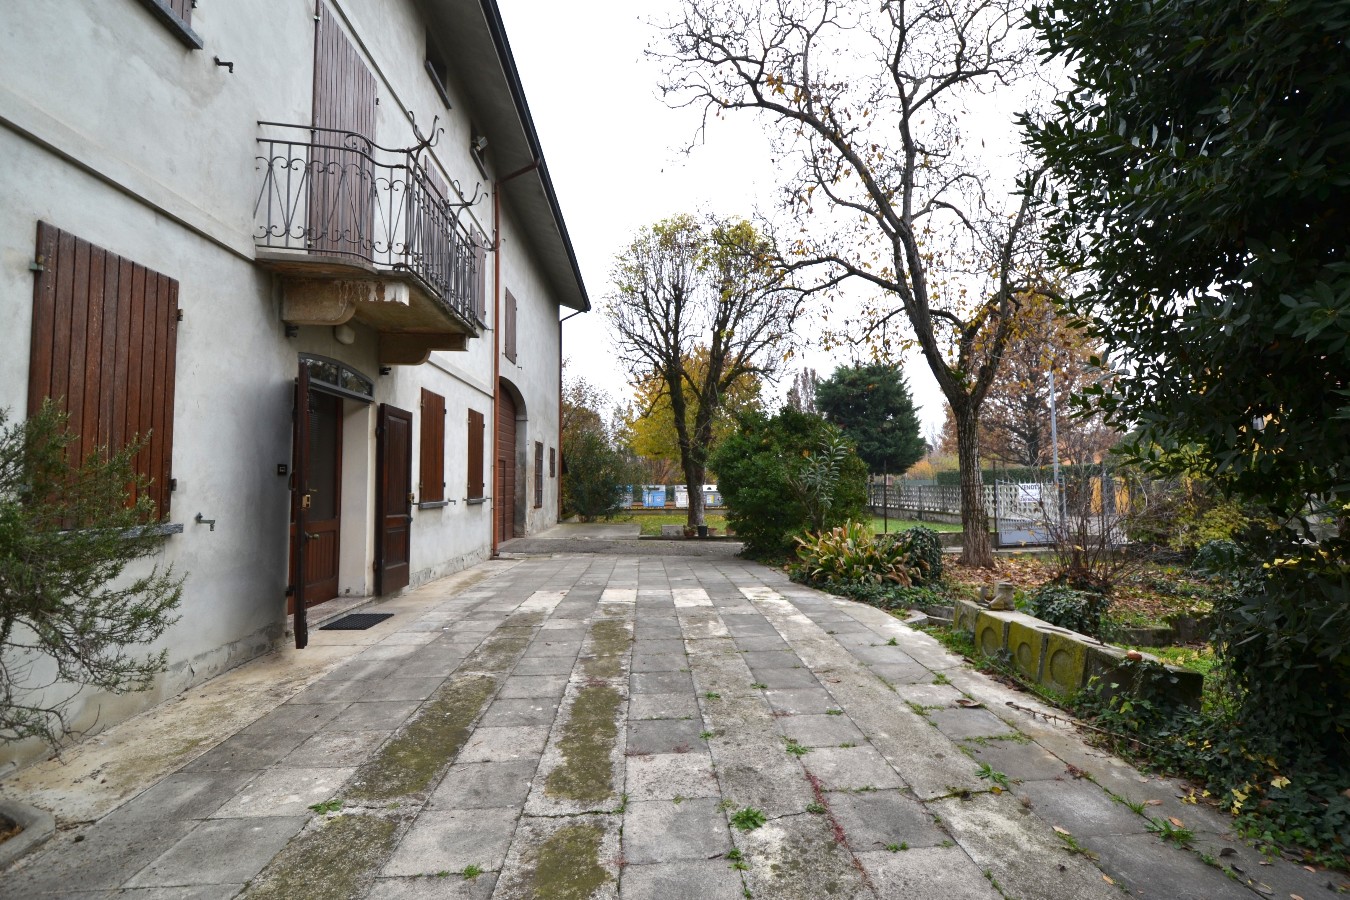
[[409, 762], [500, 651], [588, 738], [567, 865], [610, 640], [332, 862]]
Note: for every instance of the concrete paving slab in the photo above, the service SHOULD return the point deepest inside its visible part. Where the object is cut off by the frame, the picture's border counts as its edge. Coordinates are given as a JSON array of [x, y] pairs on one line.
[[662, 706], [926, 873], [185, 892], [398, 687], [502, 744], [544, 665], [660, 662], [1079, 806], [109, 854], [373, 716], [665, 736], [296, 718], [247, 752], [821, 731], [785, 679], [851, 768], [336, 748], [528, 687], [529, 711], [1152, 870], [284, 792], [801, 701], [186, 795], [574, 856], [796, 858], [712, 879], [662, 831], [451, 886], [491, 785], [666, 776], [760, 643], [660, 682], [961, 724], [1022, 852], [450, 840], [220, 851], [878, 820]]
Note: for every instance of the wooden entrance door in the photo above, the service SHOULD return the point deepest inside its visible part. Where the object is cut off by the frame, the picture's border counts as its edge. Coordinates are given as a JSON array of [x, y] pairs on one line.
[[394, 497], [316, 498], [504, 503]]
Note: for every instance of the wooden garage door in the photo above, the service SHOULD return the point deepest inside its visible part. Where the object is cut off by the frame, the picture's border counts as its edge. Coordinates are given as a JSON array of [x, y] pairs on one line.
[[504, 503]]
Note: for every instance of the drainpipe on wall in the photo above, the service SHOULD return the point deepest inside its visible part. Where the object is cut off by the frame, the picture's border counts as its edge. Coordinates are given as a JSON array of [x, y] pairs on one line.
[[497, 331], [560, 407]]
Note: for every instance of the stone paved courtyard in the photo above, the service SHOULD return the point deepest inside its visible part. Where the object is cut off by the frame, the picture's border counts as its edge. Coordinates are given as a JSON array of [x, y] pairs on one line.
[[615, 724]]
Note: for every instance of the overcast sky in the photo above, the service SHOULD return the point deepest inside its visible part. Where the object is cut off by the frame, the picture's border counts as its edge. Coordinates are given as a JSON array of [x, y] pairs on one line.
[[617, 156]]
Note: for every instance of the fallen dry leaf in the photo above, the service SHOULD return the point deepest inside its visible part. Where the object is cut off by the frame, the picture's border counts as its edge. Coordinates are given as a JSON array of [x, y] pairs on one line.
[[1153, 803], [967, 703], [1061, 830], [1108, 879], [1175, 821]]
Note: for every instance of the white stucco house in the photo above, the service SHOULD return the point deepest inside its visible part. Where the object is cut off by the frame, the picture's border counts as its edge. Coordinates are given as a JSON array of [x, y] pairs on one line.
[[312, 247]]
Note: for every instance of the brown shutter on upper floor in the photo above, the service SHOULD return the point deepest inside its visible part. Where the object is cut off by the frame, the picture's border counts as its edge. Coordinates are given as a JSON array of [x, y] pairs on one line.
[[509, 328], [431, 468], [341, 209], [182, 9], [105, 335], [475, 455]]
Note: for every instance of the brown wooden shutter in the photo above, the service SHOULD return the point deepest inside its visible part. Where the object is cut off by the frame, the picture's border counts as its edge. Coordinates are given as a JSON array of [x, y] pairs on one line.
[[475, 455], [182, 9], [105, 335], [341, 211], [509, 328], [552, 462], [431, 468], [538, 474]]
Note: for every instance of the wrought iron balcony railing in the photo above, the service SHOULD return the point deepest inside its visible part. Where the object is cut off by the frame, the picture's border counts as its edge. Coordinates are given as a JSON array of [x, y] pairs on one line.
[[337, 194]]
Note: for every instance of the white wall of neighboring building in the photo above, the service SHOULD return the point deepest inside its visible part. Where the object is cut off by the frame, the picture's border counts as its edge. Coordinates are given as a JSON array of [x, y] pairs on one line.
[[113, 131]]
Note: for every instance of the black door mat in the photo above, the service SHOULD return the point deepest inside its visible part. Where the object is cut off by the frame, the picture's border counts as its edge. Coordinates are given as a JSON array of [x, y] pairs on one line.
[[356, 621]]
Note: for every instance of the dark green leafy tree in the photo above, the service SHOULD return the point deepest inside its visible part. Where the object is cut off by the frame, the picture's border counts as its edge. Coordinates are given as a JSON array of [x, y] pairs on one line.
[[596, 477], [783, 476], [70, 616], [1200, 171], [872, 405]]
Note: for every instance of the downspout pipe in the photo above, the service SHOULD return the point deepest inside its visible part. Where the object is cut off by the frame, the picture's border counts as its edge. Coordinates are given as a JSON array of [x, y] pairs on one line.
[[497, 335], [560, 406]]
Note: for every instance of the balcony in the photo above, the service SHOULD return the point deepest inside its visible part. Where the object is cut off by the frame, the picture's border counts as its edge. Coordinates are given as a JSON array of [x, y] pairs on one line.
[[362, 232]]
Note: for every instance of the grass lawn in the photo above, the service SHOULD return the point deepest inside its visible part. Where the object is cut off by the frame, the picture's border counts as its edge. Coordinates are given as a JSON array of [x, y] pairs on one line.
[[651, 522], [902, 524]]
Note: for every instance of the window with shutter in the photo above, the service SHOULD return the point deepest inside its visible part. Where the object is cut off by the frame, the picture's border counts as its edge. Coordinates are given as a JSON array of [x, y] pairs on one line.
[[105, 334], [475, 455], [538, 474], [509, 328], [431, 469], [177, 17], [552, 462]]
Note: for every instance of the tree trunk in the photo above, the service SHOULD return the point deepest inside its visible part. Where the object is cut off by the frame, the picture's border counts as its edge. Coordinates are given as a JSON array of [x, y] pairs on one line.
[[975, 547], [694, 472]]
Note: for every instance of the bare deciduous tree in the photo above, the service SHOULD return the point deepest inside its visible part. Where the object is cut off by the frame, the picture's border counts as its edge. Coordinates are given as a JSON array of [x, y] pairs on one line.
[[867, 100], [682, 285]]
